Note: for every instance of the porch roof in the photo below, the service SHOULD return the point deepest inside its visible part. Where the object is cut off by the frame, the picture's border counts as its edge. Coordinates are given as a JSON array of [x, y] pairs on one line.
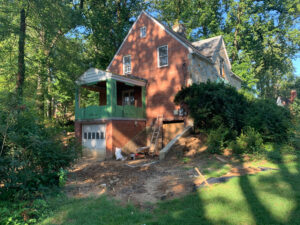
[[94, 75]]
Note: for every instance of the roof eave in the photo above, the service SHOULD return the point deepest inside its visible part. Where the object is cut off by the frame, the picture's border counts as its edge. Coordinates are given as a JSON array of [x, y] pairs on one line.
[[236, 76], [202, 57], [100, 75]]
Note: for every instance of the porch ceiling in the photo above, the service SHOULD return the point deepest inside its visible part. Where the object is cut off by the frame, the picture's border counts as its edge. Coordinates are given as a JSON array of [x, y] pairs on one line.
[[93, 76]]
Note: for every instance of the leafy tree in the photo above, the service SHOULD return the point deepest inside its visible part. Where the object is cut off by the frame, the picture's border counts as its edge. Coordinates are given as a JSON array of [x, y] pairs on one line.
[[107, 23], [50, 38], [262, 36]]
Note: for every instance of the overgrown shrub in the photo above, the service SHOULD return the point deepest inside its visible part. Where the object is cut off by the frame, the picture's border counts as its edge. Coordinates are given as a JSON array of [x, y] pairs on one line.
[[30, 155], [249, 141], [217, 140], [214, 105], [271, 121], [295, 108]]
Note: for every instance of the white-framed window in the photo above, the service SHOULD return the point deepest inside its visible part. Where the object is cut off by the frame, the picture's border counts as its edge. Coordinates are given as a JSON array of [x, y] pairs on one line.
[[127, 64], [128, 97], [143, 32], [162, 53]]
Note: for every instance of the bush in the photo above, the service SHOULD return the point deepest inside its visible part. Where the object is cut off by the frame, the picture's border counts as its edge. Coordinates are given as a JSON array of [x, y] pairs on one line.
[[249, 141], [217, 140], [295, 108], [212, 105], [30, 157], [271, 121]]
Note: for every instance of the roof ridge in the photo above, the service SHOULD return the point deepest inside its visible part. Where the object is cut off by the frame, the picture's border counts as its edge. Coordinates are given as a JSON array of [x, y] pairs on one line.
[[180, 37], [206, 39]]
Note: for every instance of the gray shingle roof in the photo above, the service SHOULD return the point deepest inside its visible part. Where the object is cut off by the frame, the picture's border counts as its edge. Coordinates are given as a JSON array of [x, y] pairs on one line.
[[208, 47]]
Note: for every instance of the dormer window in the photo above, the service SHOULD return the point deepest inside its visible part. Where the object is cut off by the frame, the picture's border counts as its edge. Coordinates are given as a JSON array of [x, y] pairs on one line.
[[127, 64], [162, 52], [143, 32]]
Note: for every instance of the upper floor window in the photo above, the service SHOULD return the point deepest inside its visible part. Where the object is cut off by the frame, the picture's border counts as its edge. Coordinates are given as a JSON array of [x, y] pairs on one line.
[[143, 32], [162, 55], [127, 64]]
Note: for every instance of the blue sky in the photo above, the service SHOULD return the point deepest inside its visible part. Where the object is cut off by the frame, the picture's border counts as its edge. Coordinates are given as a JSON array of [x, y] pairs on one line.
[[296, 63]]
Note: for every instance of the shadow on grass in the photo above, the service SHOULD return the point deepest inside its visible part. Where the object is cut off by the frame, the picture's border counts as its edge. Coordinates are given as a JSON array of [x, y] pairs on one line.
[[250, 199], [284, 185]]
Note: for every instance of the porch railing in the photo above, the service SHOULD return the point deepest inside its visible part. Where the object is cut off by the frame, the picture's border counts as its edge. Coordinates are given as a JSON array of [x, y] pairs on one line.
[[104, 112]]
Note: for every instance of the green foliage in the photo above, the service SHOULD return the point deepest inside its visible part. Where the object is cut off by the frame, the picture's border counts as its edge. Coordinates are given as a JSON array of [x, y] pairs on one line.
[[249, 141], [107, 23], [88, 97], [248, 27], [214, 104], [62, 177], [217, 140], [31, 156], [25, 212], [295, 108], [271, 121], [186, 160], [224, 112]]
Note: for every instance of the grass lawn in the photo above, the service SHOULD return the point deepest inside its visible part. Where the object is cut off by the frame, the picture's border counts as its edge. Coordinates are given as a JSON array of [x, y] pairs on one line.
[[270, 197]]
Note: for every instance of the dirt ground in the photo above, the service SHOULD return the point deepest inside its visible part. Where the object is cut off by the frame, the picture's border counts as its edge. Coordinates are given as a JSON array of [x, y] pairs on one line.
[[147, 179]]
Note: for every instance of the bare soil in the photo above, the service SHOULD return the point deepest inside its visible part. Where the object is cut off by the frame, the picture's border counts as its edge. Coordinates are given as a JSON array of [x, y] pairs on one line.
[[146, 180]]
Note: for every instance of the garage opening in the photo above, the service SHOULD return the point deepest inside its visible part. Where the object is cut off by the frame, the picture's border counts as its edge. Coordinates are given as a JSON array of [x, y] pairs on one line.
[[93, 140], [170, 130]]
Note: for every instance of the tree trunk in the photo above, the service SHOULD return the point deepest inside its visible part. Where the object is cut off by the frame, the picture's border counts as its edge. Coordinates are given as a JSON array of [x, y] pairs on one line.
[[21, 62], [236, 34], [81, 4], [40, 95]]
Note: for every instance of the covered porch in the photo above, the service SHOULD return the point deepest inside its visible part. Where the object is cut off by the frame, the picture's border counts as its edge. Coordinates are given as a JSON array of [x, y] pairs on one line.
[[103, 95]]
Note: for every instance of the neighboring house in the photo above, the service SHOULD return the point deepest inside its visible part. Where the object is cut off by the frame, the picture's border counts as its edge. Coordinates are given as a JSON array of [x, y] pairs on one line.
[[152, 64]]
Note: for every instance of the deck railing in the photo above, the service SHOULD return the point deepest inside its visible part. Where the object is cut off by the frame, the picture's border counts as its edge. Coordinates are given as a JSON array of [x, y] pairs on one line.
[[105, 112]]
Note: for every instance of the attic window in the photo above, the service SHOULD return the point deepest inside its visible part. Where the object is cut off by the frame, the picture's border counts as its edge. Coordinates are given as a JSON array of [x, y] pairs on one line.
[[162, 56], [143, 32], [127, 64]]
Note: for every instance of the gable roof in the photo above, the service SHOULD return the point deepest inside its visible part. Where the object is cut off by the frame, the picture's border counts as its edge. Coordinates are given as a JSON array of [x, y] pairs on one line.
[[176, 36], [179, 38], [205, 49], [211, 46], [208, 47]]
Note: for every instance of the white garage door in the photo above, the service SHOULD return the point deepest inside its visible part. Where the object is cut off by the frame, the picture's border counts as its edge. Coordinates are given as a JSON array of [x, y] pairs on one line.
[[93, 139]]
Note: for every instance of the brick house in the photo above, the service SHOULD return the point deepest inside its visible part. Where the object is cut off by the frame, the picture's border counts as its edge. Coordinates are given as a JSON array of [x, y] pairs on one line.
[[152, 64]]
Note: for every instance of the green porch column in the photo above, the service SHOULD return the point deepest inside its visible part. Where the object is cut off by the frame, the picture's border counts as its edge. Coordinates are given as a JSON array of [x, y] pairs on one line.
[[77, 106], [111, 95], [144, 101]]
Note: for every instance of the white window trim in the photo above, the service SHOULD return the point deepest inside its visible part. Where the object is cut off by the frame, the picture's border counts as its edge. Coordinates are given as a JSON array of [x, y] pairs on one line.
[[124, 65], [158, 56], [144, 27]]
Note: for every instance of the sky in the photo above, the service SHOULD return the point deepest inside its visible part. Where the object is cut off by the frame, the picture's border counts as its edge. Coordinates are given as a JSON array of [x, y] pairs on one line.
[[296, 63]]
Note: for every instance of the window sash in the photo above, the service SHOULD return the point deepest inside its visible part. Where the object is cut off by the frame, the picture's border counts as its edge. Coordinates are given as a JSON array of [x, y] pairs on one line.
[[143, 32], [127, 64], [163, 56], [128, 97]]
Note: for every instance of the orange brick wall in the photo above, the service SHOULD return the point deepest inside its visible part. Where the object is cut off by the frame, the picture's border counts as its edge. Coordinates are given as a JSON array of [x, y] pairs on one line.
[[118, 132], [124, 130], [163, 83]]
